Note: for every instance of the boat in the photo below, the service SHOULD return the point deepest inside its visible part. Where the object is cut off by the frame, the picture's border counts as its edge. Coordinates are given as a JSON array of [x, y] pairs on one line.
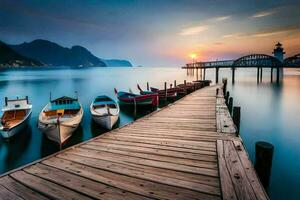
[[129, 98], [171, 92], [105, 111], [16, 116], [60, 118]]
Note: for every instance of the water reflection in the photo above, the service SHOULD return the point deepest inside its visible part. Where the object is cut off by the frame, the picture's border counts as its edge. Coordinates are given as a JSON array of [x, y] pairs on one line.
[[15, 146]]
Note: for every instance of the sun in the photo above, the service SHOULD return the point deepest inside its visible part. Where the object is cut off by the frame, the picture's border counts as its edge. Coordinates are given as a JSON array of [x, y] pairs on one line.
[[193, 55]]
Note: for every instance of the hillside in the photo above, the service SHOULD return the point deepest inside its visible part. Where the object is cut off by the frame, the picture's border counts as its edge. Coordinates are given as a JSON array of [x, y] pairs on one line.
[[10, 58]]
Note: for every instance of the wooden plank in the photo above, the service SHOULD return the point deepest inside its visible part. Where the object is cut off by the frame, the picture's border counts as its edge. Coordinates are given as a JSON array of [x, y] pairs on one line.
[[250, 171], [167, 151], [128, 183], [19, 189], [134, 158], [45, 187], [192, 177], [5, 194], [82, 185], [154, 146], [238, 176], [172, 143], [140, 173], [228, 192]]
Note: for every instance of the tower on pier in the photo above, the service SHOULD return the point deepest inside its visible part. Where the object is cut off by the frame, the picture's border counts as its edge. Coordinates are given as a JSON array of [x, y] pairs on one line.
[[278, 52]]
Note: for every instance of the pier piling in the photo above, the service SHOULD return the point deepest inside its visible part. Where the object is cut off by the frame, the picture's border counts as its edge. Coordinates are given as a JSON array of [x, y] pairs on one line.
[[230, 104], [271, 74], [261, 73], [236, 115], [257, 76], [227, 97], [277, 75], [224, 80], [148, 86], [217, 75], [175, 83], [233, 75], [263, 161], [166, 93]]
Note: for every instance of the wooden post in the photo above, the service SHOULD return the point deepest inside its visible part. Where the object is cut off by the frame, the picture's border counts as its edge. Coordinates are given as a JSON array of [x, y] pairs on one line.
[[261, 72], [175, 83], [233, 75], [185, 87], [236, 115], [204, 69], [271, 74], [277, 75], [263, 161], [227, 98], [148, 86], [224, 85], [166, 93], [6, 100], [217, 75], [27, 99], [135, 108], [217, 91], [230, 104], [257, 75]]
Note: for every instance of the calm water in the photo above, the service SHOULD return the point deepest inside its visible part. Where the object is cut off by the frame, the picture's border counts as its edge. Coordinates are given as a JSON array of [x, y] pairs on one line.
[[269, 112]]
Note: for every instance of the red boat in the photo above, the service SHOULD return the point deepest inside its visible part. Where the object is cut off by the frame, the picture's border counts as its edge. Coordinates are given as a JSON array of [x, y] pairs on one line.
[[128, 98], [171, 92]]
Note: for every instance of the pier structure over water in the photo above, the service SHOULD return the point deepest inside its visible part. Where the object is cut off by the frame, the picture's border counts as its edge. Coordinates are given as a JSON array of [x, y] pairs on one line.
[[258, 61], [187, 150]]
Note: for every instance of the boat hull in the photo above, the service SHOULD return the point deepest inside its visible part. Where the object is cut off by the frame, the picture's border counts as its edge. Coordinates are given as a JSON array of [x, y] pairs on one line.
[[106, 121], [58, 133], [7, 133]]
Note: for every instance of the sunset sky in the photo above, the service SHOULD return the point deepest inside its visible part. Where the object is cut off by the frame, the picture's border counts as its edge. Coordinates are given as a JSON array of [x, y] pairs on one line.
[[156, 33]]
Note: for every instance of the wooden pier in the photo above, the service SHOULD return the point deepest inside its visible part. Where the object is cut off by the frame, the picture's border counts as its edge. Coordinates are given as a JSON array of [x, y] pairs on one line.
[[187, 150]]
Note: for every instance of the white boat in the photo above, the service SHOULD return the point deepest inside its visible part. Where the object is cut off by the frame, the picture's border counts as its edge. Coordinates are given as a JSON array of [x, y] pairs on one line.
[[16, 116], [105, 111], [60, 118]]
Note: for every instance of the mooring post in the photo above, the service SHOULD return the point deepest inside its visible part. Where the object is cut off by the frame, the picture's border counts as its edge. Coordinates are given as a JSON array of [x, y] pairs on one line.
[[227, 97], [217, 91], [148, 86], [204, 69], [277, 75], [166, 93], [261, 72], [233, 75], [263, 161], [271, 74], [135, 108], [175, 83], [217, 75], [224, 80], [230, 104], [185, 87], [236, 116], [257, 75]]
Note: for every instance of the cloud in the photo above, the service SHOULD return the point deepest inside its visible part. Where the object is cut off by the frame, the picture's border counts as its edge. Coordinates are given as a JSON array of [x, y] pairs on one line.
[[193, 30], [223, 18], [263, 14], [233, 35]]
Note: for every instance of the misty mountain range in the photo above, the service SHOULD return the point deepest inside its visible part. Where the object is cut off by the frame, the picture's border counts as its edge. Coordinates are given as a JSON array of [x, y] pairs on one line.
[[46, 53]]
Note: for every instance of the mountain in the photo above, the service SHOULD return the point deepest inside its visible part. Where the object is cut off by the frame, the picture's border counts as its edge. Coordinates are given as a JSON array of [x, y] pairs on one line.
[[8, 57], [117, 63], [52, 54]]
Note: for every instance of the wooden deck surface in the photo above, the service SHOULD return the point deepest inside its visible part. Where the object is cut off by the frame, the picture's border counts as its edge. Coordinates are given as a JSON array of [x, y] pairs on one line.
[[185, 151]]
